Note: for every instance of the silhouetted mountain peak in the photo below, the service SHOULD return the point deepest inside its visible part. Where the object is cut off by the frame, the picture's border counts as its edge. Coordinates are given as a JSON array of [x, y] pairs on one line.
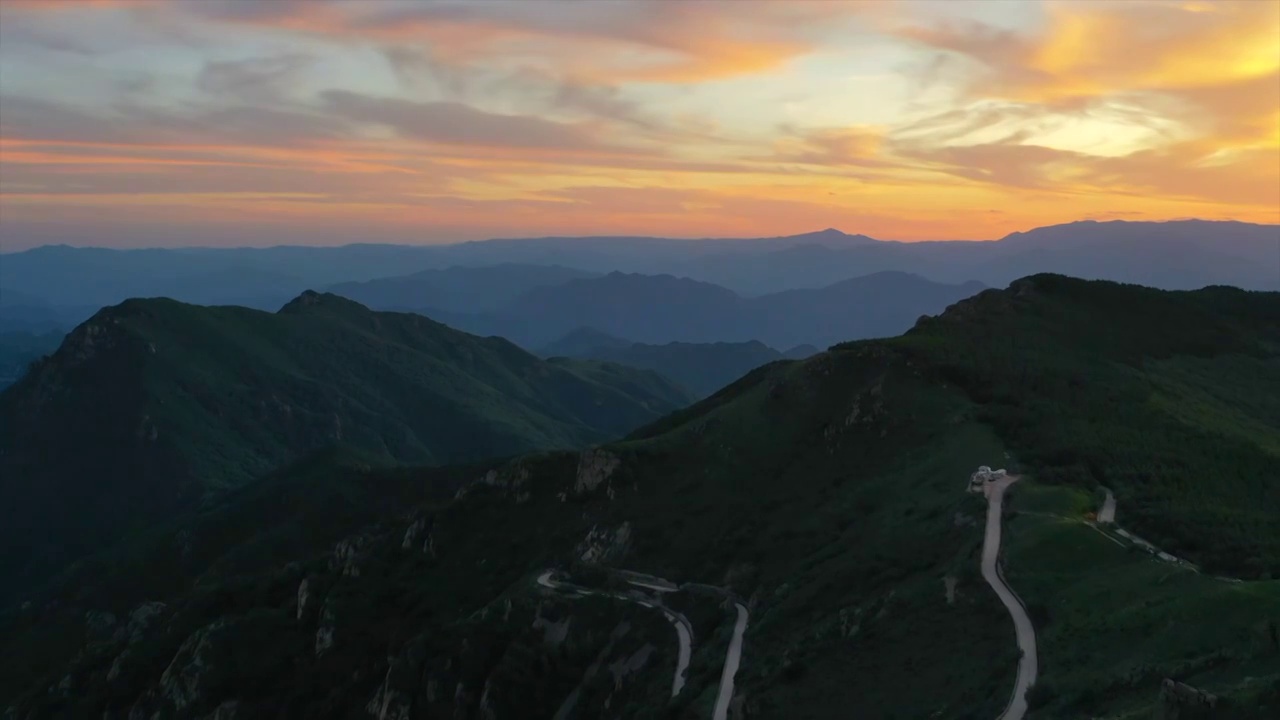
[[832, 237], [312, 301]]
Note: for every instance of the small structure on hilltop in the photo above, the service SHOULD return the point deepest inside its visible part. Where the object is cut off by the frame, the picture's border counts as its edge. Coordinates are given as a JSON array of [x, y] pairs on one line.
[[983, 476]]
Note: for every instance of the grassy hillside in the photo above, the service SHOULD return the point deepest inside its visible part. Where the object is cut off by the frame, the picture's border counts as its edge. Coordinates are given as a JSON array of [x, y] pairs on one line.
[[152, 404], [1112, 622], [1169, 398], [827, 495]]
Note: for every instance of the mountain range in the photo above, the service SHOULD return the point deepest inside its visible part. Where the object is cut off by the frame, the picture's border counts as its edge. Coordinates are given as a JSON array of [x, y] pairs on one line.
[[702, 368], [811, 520], [153, 406], [658, 309], [71, 283], [459, 289]]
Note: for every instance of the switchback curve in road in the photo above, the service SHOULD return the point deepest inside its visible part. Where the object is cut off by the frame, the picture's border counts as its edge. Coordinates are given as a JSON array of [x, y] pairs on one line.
[[684, 631]]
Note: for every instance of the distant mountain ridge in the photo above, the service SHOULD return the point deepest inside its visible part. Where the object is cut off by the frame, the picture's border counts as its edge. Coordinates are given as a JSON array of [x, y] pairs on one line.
[[153, 404], [660, 309], [701, 368], [1207, 253], [458, 288]]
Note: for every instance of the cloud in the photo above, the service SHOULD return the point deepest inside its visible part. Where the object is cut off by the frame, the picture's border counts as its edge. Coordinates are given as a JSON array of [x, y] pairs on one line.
[[1090, 49], [447, 120], [458, 124], [127, 122], [262, 79], [633, 40], [1174, 99], [1184, 171]]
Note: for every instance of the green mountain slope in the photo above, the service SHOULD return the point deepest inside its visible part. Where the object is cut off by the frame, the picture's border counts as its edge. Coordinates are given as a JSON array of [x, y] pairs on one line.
[[152, 404], [1170, 398], [827, 496]]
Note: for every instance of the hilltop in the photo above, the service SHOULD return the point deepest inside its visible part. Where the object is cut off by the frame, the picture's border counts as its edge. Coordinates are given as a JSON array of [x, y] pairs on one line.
[[825, 496], [151, 405]]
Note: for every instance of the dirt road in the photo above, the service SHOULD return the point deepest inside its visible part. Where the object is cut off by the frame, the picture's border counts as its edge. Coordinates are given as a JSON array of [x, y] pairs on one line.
[[731, 661], [1024, 630], [1108, 512]]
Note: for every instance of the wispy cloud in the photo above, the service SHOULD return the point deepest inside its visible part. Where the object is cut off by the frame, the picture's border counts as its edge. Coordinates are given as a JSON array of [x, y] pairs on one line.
[[445, 120]]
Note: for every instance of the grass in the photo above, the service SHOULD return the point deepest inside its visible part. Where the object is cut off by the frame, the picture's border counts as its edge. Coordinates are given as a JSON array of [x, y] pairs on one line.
[[1113, 621]]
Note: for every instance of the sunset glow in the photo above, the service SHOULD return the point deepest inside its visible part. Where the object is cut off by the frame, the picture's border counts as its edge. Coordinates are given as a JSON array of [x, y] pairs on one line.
[[168, 122]]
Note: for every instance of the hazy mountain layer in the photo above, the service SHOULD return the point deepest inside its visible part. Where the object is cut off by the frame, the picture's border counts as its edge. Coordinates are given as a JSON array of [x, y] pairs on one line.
[[1175, 255], [658, 309], [701, 368], [456, 289]]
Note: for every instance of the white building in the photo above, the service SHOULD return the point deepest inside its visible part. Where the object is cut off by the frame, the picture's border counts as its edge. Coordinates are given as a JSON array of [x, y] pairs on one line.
[[985, 475]]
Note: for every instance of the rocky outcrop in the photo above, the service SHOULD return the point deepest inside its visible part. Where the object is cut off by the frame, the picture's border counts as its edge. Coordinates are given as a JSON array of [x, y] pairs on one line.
[[181, 683], [347, 555], [324, 639], [605, 545], [390, 703], [142, 619], [98, 625], [594, 468], [411, 534], [511, 479], [304, 596]]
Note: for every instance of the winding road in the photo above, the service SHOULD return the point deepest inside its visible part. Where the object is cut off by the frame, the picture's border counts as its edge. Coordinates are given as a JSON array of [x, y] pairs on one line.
[[731, 660], [1024, 630], [684, 631]]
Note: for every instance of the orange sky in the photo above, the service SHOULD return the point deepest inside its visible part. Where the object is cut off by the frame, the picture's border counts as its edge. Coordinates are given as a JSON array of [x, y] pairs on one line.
[[145, 122]]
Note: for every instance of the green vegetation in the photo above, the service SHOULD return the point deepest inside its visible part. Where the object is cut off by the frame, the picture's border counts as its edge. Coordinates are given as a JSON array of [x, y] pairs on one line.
[[1168, 398], [151, 405], [1113, 621], [829, 494], [840, 534]]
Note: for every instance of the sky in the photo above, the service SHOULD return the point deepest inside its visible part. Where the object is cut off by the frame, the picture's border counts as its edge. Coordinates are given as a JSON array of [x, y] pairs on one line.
[[130, 123]]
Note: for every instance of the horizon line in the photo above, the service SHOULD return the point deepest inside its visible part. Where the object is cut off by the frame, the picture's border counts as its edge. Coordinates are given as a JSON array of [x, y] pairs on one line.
[[676, 238]]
